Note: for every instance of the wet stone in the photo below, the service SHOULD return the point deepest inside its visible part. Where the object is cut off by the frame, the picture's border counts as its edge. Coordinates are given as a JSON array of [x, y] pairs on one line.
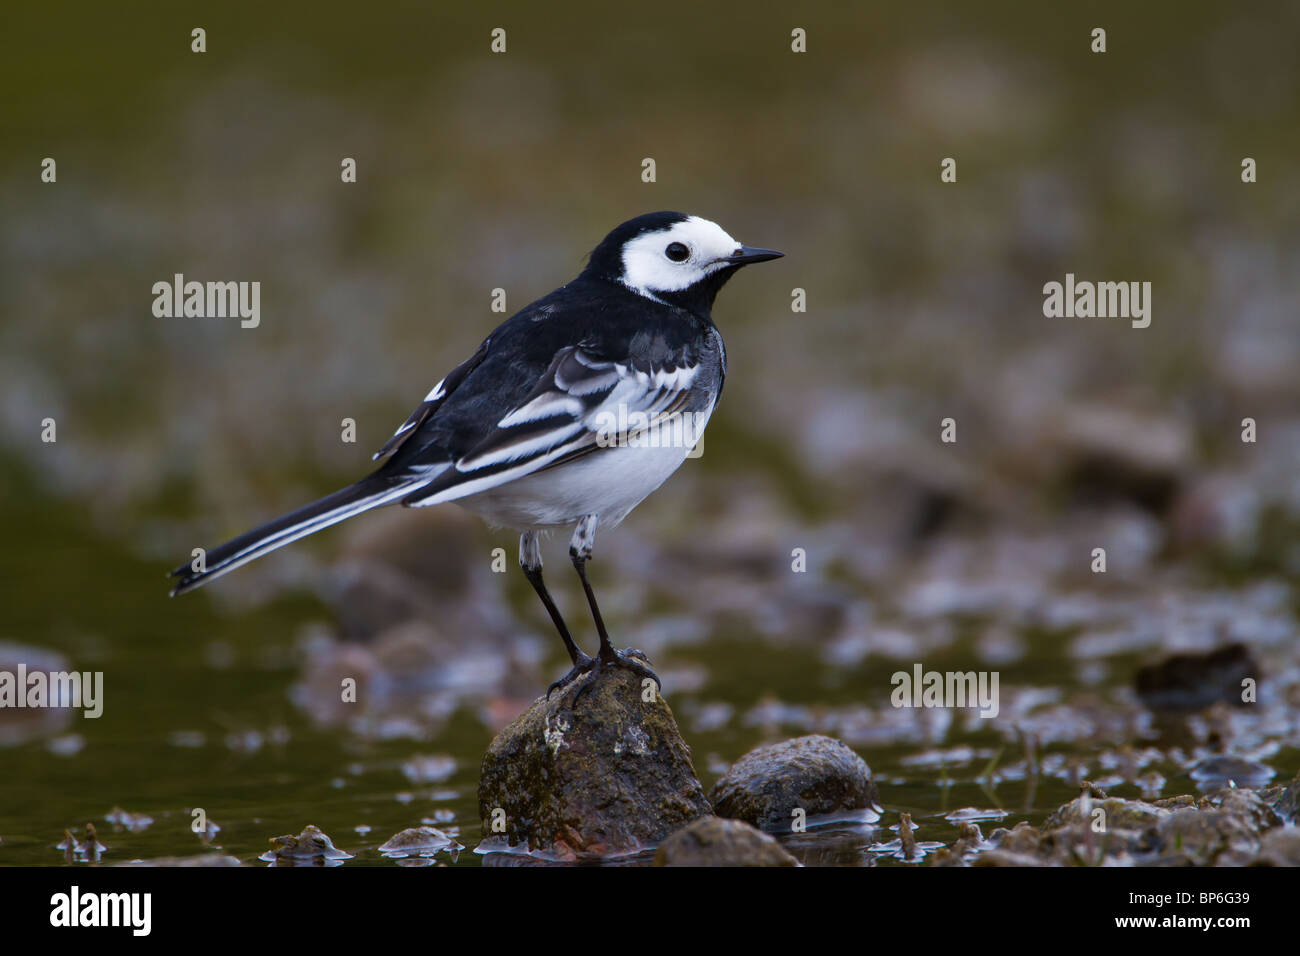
[[712, 841], [1230, 827], [818, 775], [1214, 772], [1196, 681], [1116, 812], [309, 848], [1224, 828], [1279, 847], [1201, 837], [420, 842], [1249, 805], [1020, 840], [970, 842], [1287, 802], [600, 775]]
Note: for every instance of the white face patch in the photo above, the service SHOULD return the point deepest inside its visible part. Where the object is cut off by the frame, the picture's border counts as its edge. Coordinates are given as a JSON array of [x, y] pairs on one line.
[[648, 268]]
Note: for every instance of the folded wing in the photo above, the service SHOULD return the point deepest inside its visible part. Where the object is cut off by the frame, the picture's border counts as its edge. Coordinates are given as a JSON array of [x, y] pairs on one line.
[[581, 404], [432, 402]]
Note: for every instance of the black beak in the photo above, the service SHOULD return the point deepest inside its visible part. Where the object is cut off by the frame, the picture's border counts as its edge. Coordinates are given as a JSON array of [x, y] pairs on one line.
[[748, 254]]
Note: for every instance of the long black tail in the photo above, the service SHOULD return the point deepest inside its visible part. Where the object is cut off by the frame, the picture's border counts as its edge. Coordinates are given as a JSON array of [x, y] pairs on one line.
[[368, 493]]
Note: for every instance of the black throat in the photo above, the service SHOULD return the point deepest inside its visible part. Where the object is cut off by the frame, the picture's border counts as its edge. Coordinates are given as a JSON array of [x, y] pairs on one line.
[[698, 299]]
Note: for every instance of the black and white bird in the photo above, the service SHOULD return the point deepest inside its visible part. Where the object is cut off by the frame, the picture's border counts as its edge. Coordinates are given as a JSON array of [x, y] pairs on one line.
[[569, 414]]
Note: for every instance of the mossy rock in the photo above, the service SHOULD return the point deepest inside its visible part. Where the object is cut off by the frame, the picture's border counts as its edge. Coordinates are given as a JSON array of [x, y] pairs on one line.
[[602, 775], [818, 775]]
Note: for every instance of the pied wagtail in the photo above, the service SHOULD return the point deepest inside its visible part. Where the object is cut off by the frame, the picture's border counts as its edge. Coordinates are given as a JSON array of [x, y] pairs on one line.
[[548, 423]]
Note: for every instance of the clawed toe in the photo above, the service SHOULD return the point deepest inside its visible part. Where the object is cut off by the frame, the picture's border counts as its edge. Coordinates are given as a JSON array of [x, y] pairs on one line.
[[629, 660], [582, 665]]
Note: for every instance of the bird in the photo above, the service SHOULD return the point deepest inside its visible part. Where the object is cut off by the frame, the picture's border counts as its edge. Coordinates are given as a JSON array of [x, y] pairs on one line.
[[569, 414]]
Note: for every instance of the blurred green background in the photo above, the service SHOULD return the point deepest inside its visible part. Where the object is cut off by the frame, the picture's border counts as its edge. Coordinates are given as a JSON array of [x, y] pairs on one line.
[[478, 171]]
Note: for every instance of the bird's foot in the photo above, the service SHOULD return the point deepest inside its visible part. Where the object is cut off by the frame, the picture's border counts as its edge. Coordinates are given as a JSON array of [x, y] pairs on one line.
[[581, 666], [627, 659]]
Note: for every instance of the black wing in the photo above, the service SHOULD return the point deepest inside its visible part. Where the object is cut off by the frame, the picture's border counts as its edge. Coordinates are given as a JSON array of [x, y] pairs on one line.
[[579, 405], [433, 401]]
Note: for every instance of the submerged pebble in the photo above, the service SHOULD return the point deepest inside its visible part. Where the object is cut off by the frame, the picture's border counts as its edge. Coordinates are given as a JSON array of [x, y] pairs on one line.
[[712, 841], [1222, 771], [971, 813], [312, 847], [423, 841]]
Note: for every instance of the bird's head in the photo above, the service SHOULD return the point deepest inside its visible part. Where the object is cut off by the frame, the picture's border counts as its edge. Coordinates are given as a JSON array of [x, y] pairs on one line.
[[674, 258]]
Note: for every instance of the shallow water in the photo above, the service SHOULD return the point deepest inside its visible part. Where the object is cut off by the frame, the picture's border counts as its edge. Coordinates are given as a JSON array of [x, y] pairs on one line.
[[198, 714]]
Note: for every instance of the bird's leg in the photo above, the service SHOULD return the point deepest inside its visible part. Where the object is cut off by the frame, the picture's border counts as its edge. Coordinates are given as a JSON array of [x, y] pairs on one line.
[[584, 538], [530, 559]]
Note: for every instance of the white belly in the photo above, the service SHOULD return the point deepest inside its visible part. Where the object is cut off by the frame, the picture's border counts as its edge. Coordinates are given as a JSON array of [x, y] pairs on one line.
[[608, 483]]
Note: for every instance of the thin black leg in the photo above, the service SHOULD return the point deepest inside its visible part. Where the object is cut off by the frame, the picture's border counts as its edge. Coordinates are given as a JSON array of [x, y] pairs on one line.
[[579, 552], [607, 653], [534, 576]]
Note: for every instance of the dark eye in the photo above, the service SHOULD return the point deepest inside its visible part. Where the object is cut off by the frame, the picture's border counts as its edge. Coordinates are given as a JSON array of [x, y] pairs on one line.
[[677, 252]]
